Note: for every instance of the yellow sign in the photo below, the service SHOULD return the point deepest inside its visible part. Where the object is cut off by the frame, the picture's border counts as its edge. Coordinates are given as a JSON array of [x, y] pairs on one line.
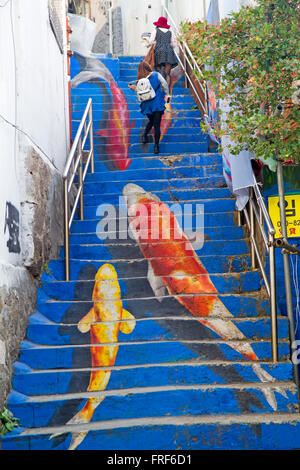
[[292, 213]]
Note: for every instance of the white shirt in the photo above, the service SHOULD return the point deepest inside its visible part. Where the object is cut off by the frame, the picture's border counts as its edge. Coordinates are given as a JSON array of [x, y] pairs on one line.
[[151, 40]]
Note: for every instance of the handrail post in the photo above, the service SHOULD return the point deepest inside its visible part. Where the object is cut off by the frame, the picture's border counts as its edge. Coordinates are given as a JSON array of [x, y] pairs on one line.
[[80, 178], [286, 266], [66, 230], [184, 63], [92, 139], [273, 301], [252, 229]]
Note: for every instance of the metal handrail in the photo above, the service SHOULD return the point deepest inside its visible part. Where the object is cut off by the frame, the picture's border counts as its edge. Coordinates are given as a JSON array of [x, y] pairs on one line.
[[257, 216], [74, 166], [191, 61]]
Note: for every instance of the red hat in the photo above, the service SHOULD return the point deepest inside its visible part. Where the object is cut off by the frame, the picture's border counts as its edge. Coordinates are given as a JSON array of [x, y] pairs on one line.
[[162, 22]]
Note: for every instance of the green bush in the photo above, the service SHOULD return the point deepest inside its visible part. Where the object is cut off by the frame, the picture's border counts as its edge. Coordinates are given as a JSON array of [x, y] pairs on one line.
[[251, 60], [7, 422]]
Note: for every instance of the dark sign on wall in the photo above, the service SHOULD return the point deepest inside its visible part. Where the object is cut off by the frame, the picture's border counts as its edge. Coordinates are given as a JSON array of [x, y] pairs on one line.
[[12, 226]]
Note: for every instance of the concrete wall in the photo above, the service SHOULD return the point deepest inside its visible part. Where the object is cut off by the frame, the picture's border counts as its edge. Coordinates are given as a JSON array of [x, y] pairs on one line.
[[34, 136], [102, 40]]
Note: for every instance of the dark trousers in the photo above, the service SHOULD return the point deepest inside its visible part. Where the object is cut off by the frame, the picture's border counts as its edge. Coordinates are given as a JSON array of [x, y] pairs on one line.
[[154, 121]]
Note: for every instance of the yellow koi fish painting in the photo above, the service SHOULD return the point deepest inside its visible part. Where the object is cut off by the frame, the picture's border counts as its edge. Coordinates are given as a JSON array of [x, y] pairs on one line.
[[104, 321]]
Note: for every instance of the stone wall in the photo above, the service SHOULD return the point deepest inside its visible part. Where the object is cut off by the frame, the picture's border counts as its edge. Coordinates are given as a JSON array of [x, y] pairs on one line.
[[40, 238], [101, 43], [17, 300], [41, 212]]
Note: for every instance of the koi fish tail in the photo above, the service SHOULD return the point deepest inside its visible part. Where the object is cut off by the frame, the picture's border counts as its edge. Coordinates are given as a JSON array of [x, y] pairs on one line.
[[220, 320], [83, 416], [91, 69], [226, 329], [230, 332], [268, 391]]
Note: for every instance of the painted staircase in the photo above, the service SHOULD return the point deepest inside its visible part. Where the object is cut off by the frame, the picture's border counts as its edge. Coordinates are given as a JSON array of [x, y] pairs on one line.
[[175, 383]]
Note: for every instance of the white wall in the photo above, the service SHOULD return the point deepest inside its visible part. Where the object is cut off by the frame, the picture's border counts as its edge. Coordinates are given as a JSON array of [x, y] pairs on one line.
[[228, 6], [33, 97], [137, 19], [186, 10]]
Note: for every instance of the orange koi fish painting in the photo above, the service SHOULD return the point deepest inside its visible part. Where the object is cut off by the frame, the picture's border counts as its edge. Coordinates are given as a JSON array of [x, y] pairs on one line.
[[105, 320], [174, 267], [118, 134], [118, 123]]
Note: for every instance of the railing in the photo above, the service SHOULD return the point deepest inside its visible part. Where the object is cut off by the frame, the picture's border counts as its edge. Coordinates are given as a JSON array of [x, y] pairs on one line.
[[76, 166], [257, 216], [189, 60], [258, 221]]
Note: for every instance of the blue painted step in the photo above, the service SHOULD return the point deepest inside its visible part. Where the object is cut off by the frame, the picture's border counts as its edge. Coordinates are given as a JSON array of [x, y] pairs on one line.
[[123, 85], [165, 165], [206, 220], [30, 382], [47, 357], [171, 196], [230, 283], [112, 187], [104, 251], [152, 404], [211, 233], [157, 173], [81, 96], [187, 209], [177, 105], [270, 433], [165, 147], [135, 138], [239, 305], [177, 122], [99, 113], [148, 330], [138, 268]]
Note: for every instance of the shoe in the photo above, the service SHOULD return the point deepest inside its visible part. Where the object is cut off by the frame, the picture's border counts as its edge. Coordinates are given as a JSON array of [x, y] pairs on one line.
[[145, 139], [156, 148]]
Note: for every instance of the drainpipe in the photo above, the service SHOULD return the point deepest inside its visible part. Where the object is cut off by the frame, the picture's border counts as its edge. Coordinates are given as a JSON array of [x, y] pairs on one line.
[[204, 10], [69, 54], [286, 265]]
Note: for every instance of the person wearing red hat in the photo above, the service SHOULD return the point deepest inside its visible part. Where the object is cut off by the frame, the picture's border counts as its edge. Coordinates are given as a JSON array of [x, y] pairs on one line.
[[165, 43]]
